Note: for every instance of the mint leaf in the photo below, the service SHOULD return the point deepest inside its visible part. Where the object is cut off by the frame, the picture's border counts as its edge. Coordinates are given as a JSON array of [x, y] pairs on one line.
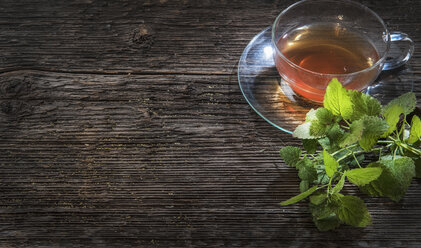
[[325, 143], [306, 170], [303, 131], [328, 223], [318, 123], [356, 131], [363, 176], [331, 165], [322, 178], [318, 199], [366, 131], [335, 135], [374, 127], [325, 116], [318, 129], [310, 145], [291, 155], [392, 115], [353, 211], [415, 133], [402, 167], [364, 105], [324, 216], [407, 101], [338, 187], [311, 115], [299, 197], [321, 123], [337, 100], [395, 179], [331, 142], [304, 186]]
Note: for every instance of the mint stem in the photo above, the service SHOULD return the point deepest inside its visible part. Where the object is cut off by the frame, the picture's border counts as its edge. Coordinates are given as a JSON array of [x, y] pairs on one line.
[[385, 141], [353, 153], [356, 160], [329, 185], [405, 146], [401, 150], [411, 149], [345, 127], [402, 128], [343, 149], [321, 187], [348, 154], [349, 124], [394, 153]]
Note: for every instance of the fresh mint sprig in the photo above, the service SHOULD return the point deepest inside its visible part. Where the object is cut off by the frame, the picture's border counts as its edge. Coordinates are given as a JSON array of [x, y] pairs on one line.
[[348, 127]]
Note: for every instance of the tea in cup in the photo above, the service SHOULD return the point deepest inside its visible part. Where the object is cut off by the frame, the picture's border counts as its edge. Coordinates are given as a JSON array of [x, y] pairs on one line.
[[317, 40]]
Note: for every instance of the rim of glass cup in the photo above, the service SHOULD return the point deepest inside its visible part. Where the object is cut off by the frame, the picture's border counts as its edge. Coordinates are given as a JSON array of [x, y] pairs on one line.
[[278, 52]]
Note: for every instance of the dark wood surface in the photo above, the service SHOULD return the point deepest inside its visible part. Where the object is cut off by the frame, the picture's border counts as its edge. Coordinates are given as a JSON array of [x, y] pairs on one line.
[[122, 124]]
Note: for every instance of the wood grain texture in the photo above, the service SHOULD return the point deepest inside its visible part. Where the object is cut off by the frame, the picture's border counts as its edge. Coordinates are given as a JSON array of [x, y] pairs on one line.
[[122, 124], [148, 36]]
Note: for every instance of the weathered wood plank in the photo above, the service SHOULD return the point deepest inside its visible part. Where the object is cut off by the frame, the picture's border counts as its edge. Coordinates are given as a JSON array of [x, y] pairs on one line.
[[150, 36], [122, 124], [157, 161]]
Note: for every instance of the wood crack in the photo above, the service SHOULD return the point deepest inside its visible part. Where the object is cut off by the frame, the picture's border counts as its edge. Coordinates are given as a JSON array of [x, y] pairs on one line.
[[111, 72]]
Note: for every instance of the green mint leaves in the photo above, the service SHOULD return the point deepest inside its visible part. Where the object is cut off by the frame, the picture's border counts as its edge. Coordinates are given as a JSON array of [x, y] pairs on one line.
[[322, 123], [374, 127], [338, 187], [364, 105], [415, 133], [407, 101], [392, 116], [291, 155], [366, 131], [395, 179], [337, 100], [352, 211], [363, 176], [336, 138], [331, 165], [299, 197]]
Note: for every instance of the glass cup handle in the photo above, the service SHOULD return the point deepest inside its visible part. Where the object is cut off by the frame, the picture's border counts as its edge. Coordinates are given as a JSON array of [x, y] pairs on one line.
[[401, 50]]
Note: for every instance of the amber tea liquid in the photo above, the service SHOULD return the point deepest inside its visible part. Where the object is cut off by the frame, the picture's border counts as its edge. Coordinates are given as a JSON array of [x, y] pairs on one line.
[[327, 49]]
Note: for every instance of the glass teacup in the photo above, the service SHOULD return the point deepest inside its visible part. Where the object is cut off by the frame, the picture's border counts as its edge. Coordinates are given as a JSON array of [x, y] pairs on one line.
[[317, 40]]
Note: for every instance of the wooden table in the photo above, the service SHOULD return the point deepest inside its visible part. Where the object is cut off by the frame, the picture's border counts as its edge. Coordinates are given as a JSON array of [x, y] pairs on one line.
[[122, 124]]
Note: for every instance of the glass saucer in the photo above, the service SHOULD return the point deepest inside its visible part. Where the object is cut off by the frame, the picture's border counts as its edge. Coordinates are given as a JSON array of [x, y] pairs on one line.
[[271, 97]]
